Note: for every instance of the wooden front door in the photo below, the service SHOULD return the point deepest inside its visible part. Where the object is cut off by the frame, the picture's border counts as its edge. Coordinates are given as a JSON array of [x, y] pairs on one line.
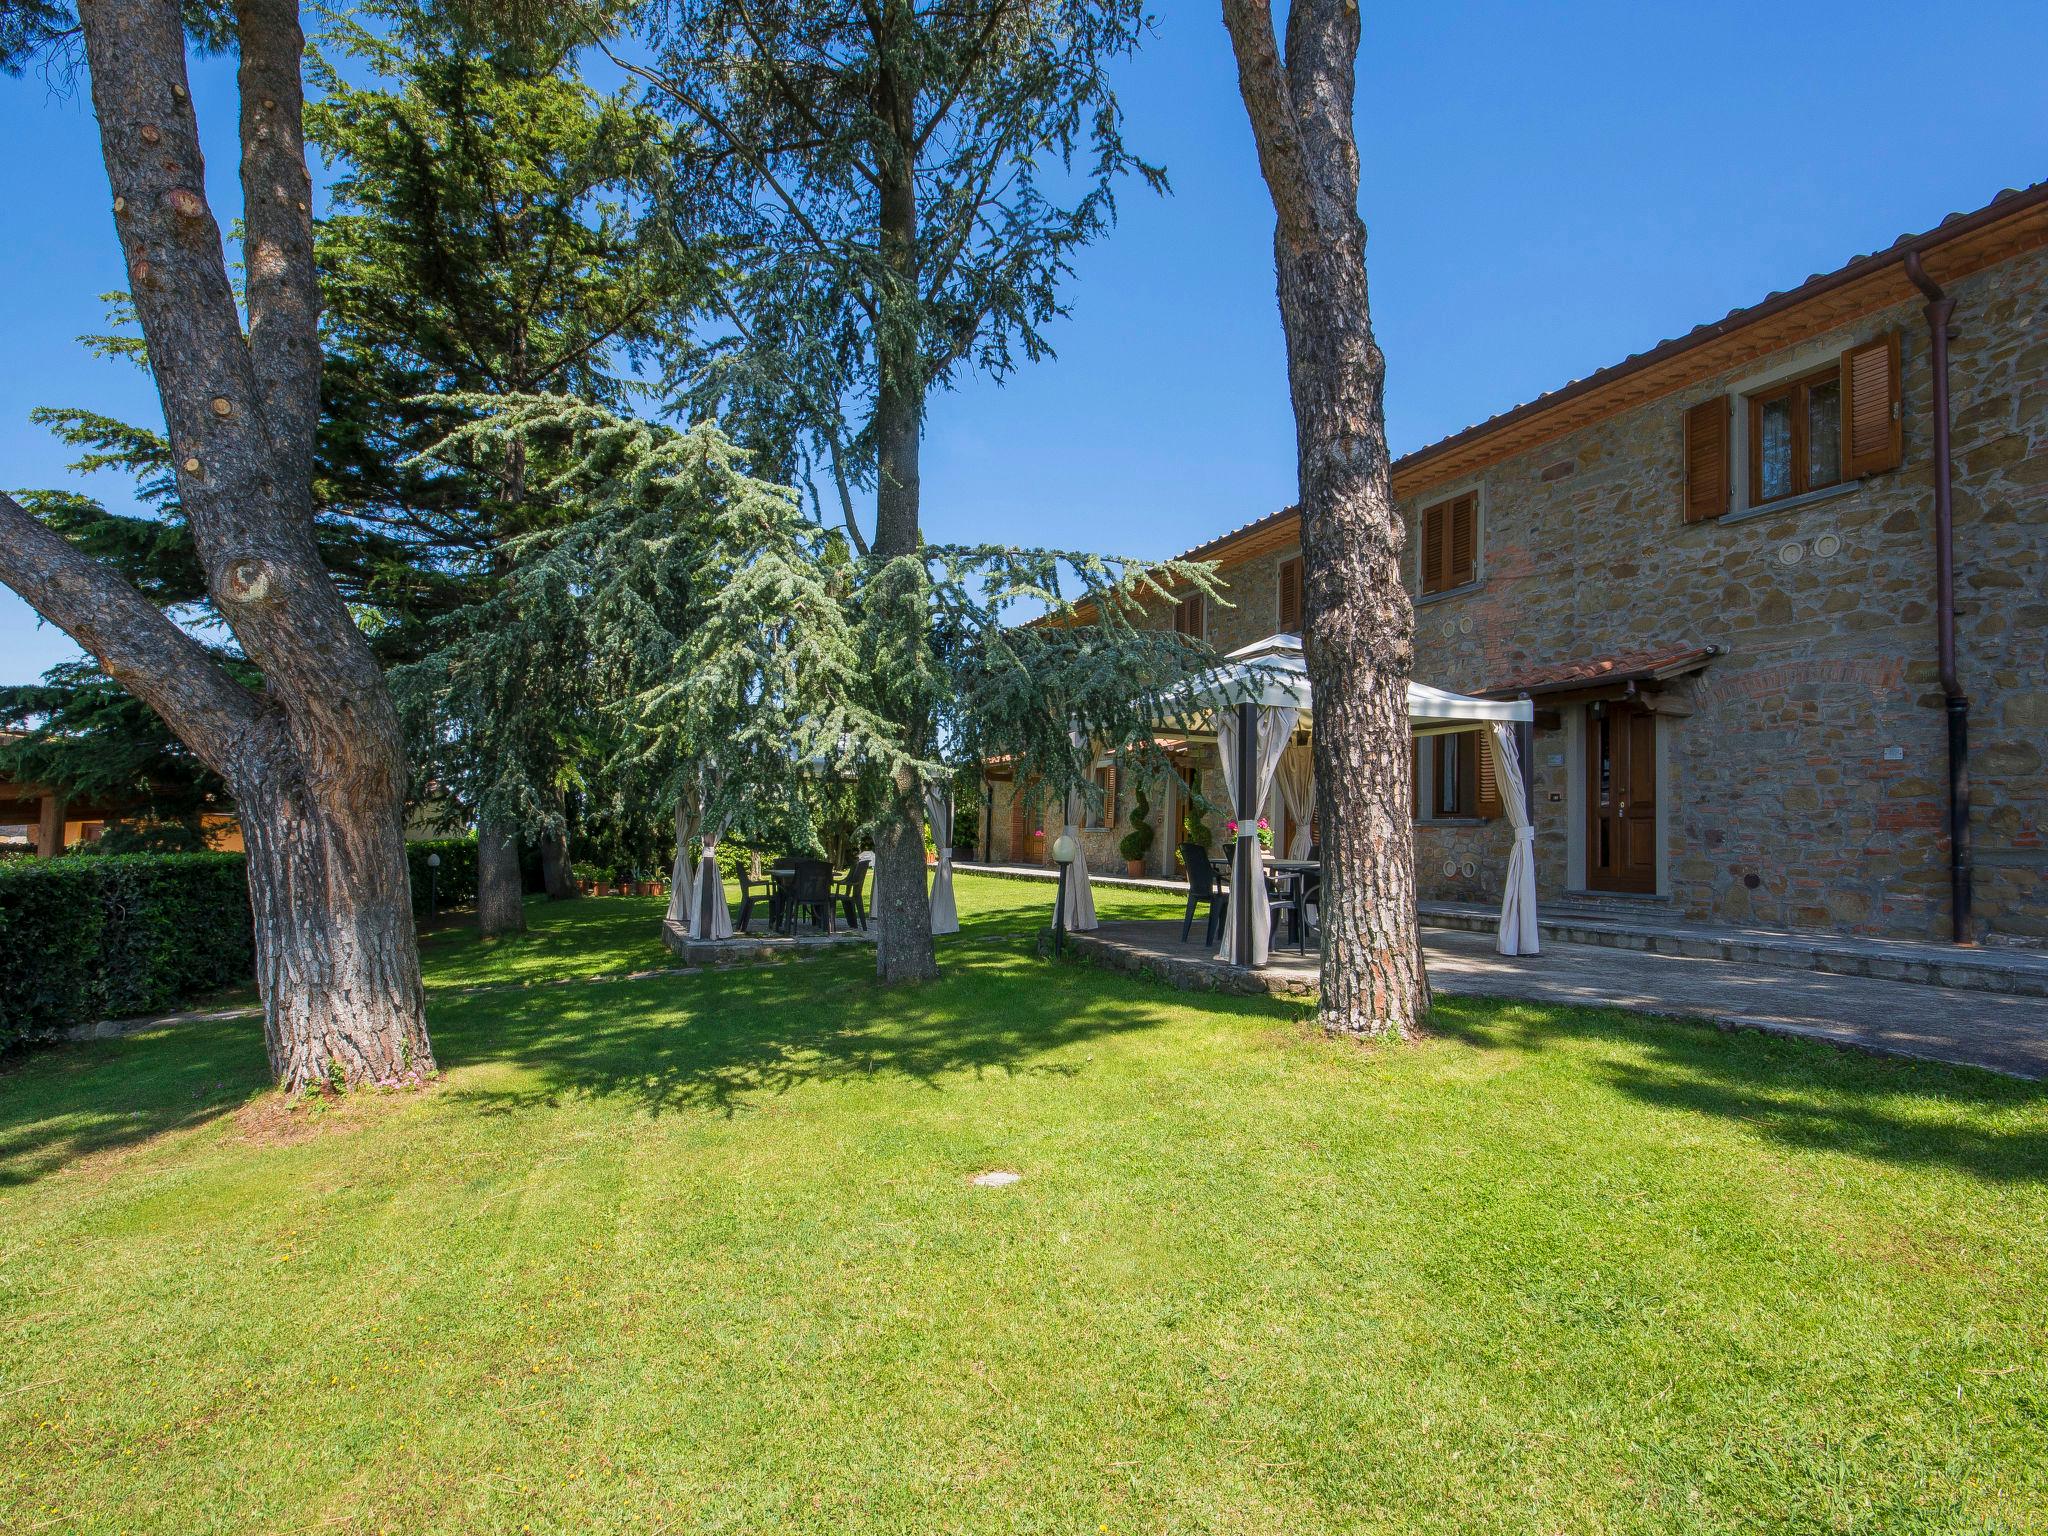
[[1621, 797], [1020, 826]]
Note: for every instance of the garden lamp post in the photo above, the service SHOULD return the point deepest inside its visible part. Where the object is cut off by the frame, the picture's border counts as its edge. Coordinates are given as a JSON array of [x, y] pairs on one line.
[[1062, 855], [433, 886]]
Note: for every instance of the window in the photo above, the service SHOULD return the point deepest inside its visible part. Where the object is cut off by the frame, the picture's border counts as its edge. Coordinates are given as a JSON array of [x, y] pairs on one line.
[[1104, 814], [1807, 433], [1463, 780], [1290, 596], [1455, 786], [1450, 543], [1795, 437], [1191, 617]]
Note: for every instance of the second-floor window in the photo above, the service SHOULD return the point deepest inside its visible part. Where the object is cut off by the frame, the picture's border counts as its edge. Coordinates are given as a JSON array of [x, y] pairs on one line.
[[1290, 596], [1795, 437], [1450, 543], [1190, 616]]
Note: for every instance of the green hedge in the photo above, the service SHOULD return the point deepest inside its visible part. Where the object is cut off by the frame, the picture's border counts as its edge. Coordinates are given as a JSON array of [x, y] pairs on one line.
[[89, 937]]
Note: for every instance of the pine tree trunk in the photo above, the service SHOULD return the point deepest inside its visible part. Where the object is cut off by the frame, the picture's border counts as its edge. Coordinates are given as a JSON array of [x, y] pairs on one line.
[[556, 876], [314, 758], [500, 893], [336, 961], [902, 912], [1358, 621]]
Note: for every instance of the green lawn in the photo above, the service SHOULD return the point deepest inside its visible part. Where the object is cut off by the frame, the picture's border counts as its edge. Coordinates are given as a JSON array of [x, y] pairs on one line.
[[699, 1253]]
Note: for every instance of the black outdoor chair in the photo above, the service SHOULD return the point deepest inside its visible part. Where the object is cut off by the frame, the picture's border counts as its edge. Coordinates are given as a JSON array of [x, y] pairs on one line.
[[752, 891], [1308, 891], [850, 891], [1283, 900], [1205, 883], [809, 891]]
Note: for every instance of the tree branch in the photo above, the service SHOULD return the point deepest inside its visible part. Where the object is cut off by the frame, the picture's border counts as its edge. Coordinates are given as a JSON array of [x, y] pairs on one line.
[[282, 292], [845, 494], [792, 98], [746, 152], [130, 638], [1269, 101]]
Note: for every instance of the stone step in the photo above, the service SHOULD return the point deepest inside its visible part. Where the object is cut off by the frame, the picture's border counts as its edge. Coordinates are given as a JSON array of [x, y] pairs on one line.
[[1652, 926], [2018, 973]]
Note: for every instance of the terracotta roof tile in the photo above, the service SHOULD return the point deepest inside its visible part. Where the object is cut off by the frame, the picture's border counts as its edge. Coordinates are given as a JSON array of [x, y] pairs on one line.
[[1629, 666], [2009, 203]]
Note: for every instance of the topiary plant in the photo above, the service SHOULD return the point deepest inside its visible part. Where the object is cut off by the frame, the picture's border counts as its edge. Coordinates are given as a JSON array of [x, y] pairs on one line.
[[1197, 829], [1137, 842]]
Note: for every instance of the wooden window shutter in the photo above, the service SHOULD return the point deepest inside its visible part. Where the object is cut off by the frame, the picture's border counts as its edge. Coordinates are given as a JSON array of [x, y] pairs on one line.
[[1464, 541], [1435, 549], [1290, 596], [1187, 616], [1706, 460], [1415, 779], [1489, 805], [1872, 433]]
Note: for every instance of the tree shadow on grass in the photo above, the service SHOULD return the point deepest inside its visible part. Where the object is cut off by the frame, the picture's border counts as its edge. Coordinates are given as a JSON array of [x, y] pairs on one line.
[[711, 1041], [1802, 1094], [722, 1041], [59, 1105]]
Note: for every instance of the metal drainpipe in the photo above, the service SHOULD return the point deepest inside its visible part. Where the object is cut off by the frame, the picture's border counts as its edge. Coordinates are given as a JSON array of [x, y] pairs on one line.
[[1940, 311]]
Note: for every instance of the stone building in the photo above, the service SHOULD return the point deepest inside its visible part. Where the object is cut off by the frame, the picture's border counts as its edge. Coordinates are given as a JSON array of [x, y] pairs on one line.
[[1713, 566]]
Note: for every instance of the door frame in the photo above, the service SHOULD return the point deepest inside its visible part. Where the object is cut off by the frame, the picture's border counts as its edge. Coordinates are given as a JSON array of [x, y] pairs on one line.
[[1578, 804]]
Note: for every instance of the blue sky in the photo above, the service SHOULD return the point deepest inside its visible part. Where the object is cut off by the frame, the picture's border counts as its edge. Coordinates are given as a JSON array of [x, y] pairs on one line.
[[1548, 188]]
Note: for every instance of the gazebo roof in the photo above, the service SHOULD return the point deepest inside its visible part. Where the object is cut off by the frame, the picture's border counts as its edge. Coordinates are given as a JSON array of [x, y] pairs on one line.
[[1273, 672]]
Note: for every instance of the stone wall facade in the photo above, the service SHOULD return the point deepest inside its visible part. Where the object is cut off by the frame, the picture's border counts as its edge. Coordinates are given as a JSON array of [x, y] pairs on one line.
[[1801, 773]]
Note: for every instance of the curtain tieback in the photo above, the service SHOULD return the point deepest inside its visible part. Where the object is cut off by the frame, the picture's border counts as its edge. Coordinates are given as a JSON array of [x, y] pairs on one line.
[[1525, 834], [1243, 833]]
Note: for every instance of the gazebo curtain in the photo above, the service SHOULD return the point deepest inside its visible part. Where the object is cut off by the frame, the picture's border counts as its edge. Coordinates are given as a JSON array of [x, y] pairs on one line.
[[938, 812], [1275, 728], [710, 917], [682, 884], [1518, 934], [1297, 781], [1080, 899], [696, 895]]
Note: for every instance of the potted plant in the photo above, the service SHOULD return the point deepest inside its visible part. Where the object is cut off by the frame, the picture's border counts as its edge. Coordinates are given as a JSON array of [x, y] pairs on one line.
[[1137, 842], [586, 877], [1265, 833]]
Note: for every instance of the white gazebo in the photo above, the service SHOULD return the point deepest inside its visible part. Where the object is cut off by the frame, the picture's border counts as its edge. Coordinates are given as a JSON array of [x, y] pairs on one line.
[[1257, 696]]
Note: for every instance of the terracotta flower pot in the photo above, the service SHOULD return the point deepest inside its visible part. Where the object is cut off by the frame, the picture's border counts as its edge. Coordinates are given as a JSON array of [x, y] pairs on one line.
[[1135, 868]]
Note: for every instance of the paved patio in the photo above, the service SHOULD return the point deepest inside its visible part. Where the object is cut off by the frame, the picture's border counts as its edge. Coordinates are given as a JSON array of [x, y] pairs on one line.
[[2000, 1032], [1654, 929]]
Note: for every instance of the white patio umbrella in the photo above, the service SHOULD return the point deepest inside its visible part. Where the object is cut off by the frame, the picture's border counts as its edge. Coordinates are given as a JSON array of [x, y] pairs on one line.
[[682, 885], [938, 813], [1080, 897]]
